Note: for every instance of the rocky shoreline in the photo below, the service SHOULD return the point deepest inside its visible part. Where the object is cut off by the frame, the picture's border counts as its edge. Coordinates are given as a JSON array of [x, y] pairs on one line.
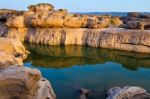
[[17, 81], [44, 25]]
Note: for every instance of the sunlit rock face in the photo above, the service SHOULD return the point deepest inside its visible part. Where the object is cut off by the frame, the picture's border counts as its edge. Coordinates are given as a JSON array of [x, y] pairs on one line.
[[59, 19], [14, 47], [111, 38], [44, 15], [12, 52], [41, 7]]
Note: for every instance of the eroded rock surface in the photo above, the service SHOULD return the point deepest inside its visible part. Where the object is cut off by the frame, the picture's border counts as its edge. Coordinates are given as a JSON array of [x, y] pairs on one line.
[[41, 7], [24, 83], [136, 20], [44, 15], [127, 93], [12, 52], [13, 47], [111, 38]]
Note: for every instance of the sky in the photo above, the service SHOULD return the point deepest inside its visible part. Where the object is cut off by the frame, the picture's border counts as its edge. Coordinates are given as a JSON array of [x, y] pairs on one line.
[[84, 5]]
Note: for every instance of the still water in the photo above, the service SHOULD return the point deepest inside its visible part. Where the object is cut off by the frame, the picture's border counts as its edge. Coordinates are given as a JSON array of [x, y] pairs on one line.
[[70, 68]]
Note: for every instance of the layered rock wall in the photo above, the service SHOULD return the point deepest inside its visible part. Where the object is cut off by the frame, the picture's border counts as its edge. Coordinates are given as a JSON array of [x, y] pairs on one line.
[[111, 38]]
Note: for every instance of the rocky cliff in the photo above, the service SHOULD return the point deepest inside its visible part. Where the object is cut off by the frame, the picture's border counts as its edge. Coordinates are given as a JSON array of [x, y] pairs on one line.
[[111, 38]]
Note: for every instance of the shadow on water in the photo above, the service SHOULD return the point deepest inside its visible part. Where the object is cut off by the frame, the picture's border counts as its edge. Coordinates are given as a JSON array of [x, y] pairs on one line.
[[67, 56]]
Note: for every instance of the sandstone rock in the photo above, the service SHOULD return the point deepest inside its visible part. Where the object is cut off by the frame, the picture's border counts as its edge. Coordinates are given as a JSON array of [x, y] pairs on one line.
[[13, 47], [101, 24], [8, 59], [50, 20], [137, 21], [15, 81], [24, 83], [40, 19], [3, 30], [127, 93], [112, 38], [45, 90], [43, 15], [6, 13], [135, 25], [116, 22], [76, 22], [16, 22], [41, 7], [62, 11]]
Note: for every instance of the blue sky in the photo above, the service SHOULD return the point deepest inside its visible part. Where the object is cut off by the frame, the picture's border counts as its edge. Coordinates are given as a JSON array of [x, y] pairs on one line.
[[84, 5]]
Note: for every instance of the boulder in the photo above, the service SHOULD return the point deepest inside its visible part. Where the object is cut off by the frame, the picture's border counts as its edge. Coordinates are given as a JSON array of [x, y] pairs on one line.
[[127, 93], [116, 22], [135, 25], [24, 83], [41, 7], [105, 23], [136, 20]]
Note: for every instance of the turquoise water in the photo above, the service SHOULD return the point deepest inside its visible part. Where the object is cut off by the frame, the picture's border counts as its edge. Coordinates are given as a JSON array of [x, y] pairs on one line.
[[70, 68]]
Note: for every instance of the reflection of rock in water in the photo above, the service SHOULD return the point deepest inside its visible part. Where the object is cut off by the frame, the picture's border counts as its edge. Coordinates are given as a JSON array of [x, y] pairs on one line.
[[66, 56]]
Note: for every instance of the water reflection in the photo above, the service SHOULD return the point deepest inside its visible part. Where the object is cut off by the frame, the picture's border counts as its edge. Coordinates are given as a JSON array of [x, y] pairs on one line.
[[75, 67], [67, 56]]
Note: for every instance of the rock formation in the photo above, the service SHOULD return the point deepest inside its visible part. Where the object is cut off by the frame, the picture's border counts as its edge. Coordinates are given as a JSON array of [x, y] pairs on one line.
[[44, 15], [24, 83], [12, 52], [111, 38], [127, 93], [41, 7], [16, 81], [42, 24], [137, 21]]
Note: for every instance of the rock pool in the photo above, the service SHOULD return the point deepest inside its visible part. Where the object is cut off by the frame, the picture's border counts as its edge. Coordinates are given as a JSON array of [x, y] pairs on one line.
[[70, 68]]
